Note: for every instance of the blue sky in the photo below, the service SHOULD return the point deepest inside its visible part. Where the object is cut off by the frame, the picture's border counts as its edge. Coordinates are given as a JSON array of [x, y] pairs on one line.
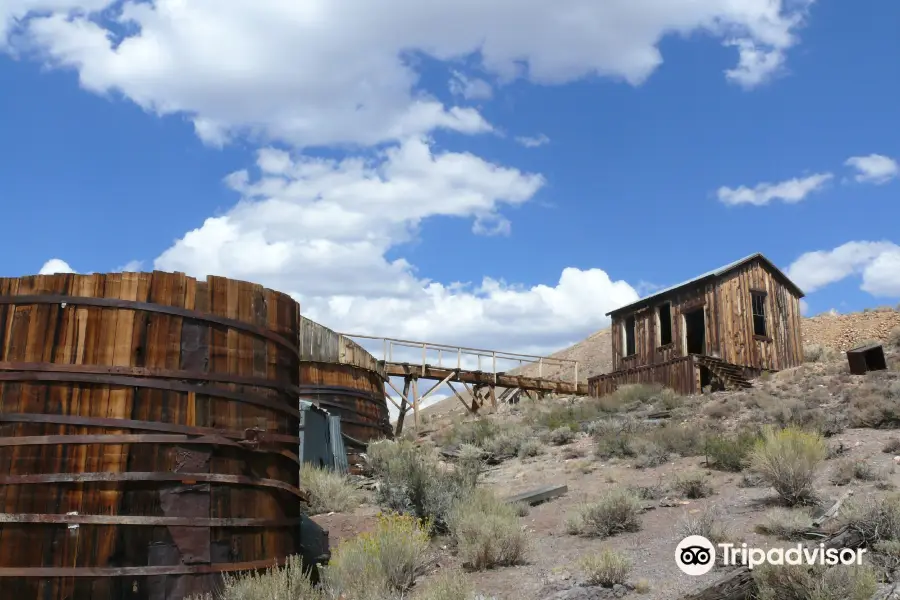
[[554, 160]]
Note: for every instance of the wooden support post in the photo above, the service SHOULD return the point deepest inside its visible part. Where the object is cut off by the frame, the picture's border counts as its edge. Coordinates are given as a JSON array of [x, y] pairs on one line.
[[493, 398], [461, 399], [424, 360], [415, 386], [404, 405], [494, 367]]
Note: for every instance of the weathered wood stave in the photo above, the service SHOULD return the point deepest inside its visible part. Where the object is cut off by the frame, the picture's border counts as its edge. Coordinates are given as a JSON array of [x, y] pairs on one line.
[[124, 355]]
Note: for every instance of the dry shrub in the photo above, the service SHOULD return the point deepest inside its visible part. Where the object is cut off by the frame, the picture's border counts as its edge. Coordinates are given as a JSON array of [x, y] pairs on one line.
[[873, 406], [446, 584], [487, 532], [560, 436], [707, 522], [730, 452], [288, 581], [384, 561], [685, 439], [892, 446], [529, 447], [649, 455], [848, 470], [693, 486], [476, 432], [819, 353], [788, 460], [617, 511], [800, 582], [722, 408], [876, 519], [328, 491], [413, 482], [785, 523], [893, 339], [607, 569]]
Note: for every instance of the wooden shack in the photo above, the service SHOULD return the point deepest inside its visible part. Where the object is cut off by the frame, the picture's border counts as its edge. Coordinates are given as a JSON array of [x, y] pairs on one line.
[[719, 329]]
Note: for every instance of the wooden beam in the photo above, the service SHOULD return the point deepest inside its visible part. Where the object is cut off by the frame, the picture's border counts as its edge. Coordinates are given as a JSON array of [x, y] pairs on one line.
[[461, 399], [503, 380], [541, 494], [436, 386], [403, 408]]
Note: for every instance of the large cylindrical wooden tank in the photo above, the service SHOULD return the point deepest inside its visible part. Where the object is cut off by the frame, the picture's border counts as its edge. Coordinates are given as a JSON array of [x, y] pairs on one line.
[[148, 434], [339, 375]]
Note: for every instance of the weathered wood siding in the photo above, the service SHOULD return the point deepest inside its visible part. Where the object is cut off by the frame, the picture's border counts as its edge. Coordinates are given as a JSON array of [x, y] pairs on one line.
[[729, 323], [127, 373], [647, 351], [680, 374], [339, 375], [782, 348]]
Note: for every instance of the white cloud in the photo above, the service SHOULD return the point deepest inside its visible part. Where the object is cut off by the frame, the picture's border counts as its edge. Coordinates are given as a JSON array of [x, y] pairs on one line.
[[874, 168], [324, 72], [470, 88], [56, 265], [877, 262], [533, 142], [132, 266], [321, 230], [804, 307], [790, 191]]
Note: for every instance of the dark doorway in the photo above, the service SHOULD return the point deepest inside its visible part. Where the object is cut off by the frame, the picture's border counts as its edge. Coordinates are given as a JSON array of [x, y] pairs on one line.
[[695, 332]]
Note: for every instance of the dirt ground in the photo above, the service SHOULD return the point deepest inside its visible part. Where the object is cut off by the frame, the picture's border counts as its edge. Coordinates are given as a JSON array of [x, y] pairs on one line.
[[554, 554]]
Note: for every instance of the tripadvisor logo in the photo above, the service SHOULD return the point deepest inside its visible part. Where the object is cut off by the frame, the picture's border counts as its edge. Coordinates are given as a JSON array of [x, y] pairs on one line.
[[696, 555]]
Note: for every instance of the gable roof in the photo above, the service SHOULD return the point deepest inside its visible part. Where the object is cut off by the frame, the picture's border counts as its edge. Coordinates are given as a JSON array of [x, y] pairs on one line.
[[714, 274]]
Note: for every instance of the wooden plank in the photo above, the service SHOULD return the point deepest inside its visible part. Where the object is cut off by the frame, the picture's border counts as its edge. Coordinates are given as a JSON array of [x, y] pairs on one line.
[[541, 494]]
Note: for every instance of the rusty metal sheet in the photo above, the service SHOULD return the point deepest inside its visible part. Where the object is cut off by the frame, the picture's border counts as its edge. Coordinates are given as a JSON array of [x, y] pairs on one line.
[[156, 384], [188, 502], [148, 372], [145, 425], [172, 586], [147, 476], [289, 345]]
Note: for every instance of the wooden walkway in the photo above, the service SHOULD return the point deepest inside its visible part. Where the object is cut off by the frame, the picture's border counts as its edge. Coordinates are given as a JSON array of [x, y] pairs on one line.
[[481, 372]]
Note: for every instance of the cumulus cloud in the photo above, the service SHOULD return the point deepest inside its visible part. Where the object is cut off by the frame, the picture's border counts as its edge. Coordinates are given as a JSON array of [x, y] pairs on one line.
[[790, 191], [323, 72], [56, 265], [874, 168], [322, 230], [533, 142], [877, 262]]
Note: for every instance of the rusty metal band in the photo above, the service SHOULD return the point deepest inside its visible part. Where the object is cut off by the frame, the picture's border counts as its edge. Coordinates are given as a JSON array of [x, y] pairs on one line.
[[139, 571], [42, 478], [338, 390], [151, 373], [174, 311], [156, 384], [144, 521], [111, 423], [181, 440]]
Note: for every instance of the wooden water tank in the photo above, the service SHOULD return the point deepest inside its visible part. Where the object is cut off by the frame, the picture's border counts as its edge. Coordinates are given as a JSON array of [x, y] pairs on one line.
[[148, 434], [339, 375]]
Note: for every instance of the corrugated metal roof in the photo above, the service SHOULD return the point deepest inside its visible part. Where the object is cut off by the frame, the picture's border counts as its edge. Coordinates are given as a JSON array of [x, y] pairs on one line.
[[714, 273]]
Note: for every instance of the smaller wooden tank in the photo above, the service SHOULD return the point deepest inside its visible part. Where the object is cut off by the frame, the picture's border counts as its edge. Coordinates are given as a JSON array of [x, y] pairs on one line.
[[339, 375]]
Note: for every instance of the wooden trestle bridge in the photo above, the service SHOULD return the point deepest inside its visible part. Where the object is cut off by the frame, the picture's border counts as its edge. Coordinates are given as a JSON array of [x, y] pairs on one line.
[[475, 369]]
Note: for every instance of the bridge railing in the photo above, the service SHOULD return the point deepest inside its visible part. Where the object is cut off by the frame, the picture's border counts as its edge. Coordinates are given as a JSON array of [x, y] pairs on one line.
[[460, 357]]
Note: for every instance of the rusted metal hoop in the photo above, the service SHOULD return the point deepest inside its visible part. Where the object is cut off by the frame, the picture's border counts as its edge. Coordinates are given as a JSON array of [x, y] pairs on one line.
[[156, 384], [142, 438], [112, 423], [142, 521], [42, 478], [147, 372], [174, 311], [139, 571]]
